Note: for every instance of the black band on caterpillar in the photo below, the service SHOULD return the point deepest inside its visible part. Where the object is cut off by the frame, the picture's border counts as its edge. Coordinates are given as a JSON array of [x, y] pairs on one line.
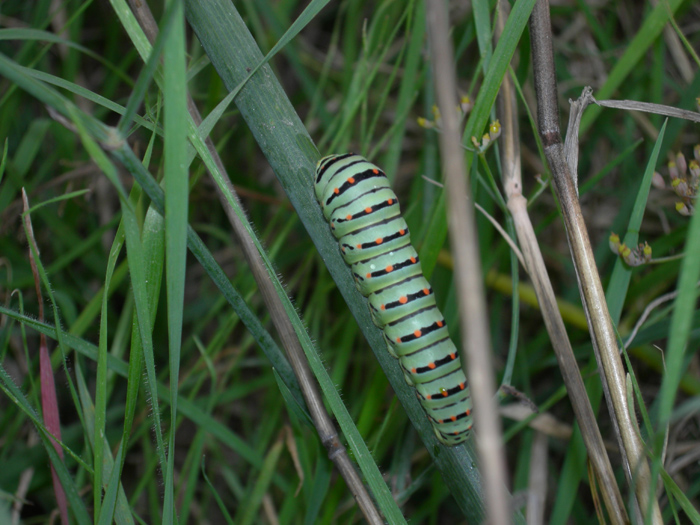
[[364, 216]]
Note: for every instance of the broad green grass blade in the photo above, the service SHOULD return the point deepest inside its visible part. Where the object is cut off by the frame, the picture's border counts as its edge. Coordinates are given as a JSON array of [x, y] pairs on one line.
[[176, 218]]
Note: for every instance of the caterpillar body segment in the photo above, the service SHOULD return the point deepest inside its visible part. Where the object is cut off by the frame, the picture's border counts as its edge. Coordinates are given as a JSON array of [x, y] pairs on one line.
[[364, 215]]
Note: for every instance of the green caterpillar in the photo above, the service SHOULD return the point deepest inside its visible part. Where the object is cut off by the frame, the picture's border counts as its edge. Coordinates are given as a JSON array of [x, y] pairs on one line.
[[364, 216]]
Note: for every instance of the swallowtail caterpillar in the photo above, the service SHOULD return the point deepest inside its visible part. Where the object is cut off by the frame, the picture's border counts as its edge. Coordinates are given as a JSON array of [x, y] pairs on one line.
[[364, 216]]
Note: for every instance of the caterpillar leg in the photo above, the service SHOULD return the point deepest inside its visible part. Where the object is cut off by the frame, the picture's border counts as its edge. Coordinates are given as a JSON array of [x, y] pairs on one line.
[[390, 348], [406, 375], [391, 351], [408, 378], [375, 318], [357, 284]]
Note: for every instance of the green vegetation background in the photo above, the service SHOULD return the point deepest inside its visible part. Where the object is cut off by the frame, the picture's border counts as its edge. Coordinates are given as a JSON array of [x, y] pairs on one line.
[[358, 77]]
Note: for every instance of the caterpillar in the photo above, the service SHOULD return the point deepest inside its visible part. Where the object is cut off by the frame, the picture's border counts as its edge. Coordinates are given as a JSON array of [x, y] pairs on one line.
[[364, 215]]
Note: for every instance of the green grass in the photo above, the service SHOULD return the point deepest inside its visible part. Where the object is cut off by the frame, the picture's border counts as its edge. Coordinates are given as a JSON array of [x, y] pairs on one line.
[[169, 374]]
